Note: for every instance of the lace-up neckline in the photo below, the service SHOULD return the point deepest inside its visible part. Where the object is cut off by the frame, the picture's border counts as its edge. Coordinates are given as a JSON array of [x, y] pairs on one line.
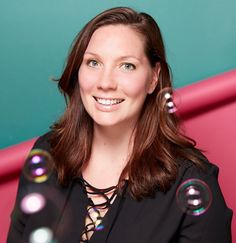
[[96, 211]]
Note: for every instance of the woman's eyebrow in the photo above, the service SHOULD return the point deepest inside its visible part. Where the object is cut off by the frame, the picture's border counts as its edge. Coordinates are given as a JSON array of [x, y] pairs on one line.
[[119, 58], [129, 57], [91, 53]]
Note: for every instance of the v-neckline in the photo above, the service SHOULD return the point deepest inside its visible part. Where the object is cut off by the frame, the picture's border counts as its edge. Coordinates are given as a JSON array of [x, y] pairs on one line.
[[108, 220], [95, 216], [105, 220]]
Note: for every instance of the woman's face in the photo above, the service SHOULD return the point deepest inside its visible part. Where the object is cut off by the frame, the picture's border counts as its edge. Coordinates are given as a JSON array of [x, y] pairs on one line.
[[115, 76]]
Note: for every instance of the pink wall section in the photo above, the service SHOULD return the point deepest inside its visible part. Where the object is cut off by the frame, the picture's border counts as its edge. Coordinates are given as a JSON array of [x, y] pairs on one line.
[[215, 133], [208, 110], [11, 161]]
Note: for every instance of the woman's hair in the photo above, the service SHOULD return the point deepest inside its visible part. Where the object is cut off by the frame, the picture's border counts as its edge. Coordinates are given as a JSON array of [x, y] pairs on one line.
[[158, 141]]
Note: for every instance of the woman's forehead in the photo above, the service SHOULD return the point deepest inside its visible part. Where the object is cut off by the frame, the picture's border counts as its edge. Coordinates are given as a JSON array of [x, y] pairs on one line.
[[122, 40]]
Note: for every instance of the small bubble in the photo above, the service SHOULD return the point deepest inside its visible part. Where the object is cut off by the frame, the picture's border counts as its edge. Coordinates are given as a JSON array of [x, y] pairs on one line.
[[41, 235], [169, 101], [38, 166], [99, 227], [32, 203], [194, 197], [170, 104], [98, 224], [171, 107], [167, 95]]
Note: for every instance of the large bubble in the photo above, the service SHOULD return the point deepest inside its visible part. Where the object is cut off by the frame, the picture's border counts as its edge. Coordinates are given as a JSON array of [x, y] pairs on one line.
[[32, 203], [194, 197], [38, 166]]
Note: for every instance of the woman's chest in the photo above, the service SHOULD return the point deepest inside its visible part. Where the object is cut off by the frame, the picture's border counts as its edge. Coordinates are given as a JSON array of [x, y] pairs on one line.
[[126, 221]]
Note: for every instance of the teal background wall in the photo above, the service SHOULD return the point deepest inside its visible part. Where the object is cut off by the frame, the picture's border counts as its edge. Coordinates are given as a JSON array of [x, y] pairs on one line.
[[35, 36]]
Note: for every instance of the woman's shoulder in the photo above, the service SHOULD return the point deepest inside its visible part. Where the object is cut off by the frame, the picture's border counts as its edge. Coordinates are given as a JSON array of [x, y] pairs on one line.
[[201, 183], [29, 180], [203, 170], [203, 176]]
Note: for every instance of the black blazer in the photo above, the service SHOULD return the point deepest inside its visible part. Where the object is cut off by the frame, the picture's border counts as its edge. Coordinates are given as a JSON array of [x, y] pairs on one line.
[[158, 219]]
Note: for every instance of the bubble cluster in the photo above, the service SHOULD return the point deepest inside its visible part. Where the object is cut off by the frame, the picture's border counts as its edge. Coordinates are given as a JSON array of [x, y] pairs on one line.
[[171, 107], [41, 235], [38, 166], [194, 197], [32, 203]]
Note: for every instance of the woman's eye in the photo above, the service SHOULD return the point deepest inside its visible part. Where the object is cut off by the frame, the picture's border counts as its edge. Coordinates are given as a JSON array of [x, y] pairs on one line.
[[128, 66], [92, 63]]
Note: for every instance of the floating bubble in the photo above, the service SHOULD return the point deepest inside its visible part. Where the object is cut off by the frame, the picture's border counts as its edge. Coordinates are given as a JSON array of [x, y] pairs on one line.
[[41, 235], [170, 101], [38, 166], [98, 224], [194, 197], [167, 95], [32, 203], [171, 107]]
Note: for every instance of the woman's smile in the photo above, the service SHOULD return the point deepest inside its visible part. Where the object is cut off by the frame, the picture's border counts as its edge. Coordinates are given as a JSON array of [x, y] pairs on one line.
[[108, 101]]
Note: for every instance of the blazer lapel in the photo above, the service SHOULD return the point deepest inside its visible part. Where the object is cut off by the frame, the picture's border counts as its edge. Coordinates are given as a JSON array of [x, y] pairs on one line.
[[71, 222]]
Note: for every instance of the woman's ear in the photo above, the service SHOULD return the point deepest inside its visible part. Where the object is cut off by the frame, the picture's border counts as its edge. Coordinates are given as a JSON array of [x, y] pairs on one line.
[[155, 77]]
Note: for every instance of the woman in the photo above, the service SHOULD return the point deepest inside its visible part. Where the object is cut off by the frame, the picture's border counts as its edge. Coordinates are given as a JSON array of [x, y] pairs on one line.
[[119, 155]]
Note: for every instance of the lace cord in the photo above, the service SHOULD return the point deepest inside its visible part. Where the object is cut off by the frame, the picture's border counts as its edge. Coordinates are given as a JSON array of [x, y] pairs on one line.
[[102, 192]]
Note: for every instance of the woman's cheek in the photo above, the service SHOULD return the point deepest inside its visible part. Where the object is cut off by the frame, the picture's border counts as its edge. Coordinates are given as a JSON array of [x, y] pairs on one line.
[[86, 80], [135, 85]]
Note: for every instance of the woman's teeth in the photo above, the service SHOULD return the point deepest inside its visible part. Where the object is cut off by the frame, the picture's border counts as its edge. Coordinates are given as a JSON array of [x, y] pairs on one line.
[[108, 101]]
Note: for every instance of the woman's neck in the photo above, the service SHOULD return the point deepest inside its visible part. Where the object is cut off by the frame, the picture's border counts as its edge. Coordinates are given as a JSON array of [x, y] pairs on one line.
[[113, 141], [110, 153]]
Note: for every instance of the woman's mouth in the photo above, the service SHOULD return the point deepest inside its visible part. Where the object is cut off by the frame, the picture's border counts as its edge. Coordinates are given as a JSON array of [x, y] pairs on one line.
[[108, 101]]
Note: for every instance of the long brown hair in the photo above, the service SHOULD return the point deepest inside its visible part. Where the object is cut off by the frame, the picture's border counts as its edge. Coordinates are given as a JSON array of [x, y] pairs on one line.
[[157, 140]]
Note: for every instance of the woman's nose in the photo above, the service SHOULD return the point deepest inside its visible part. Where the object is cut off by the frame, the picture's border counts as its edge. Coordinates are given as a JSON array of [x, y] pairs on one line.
[[107, 80]]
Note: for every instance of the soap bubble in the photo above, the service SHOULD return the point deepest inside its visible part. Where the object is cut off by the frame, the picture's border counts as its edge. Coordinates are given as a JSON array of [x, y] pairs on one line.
[[167, 95], [38, 166], [99, 225], [41, 235], [171, 107], [32, 203], [172, 99], [194, 197]]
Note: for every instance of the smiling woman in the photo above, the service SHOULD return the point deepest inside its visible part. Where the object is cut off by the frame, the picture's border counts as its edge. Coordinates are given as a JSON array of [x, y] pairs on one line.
[[122, 170], [115, 77]]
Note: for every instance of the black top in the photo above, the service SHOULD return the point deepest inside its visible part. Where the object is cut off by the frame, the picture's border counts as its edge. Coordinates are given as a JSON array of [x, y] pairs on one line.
[[158, 219]]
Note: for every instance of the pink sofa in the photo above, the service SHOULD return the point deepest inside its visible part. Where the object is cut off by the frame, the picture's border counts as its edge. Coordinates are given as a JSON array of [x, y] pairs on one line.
[[208, 109]]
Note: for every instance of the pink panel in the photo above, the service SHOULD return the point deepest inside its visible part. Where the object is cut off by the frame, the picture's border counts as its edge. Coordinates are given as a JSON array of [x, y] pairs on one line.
[[215, 133], [13, 157], [208, 109], [7, 195], [207, 94], [11, 161]]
